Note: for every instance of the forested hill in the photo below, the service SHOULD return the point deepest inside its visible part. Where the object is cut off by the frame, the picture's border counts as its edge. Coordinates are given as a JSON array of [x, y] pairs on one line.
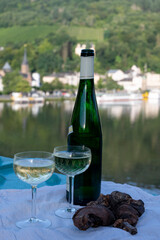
[[97, 13], [125, 32]]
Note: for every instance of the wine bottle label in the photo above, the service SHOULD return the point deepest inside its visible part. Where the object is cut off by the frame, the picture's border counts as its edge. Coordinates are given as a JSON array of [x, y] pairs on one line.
[[70, 129], [87, 67]]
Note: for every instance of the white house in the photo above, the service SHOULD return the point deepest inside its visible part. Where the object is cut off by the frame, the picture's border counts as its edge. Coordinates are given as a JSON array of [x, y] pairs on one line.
[[135, 70], [131, 80], [79, 47], [138, 81], [1, 84], [152, 80], [35, 79], [69, 78], [65, 78], [116, 74], [131, 84]]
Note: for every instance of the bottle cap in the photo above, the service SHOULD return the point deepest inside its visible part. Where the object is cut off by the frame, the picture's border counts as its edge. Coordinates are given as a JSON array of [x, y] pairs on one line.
[[87, 52]]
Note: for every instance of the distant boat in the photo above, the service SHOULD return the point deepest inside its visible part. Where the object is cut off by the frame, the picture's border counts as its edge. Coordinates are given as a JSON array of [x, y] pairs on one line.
[[19, 98], [118, 97]]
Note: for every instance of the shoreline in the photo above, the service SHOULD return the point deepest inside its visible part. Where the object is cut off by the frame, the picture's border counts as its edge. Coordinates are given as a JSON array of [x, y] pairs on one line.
[[7, 98]]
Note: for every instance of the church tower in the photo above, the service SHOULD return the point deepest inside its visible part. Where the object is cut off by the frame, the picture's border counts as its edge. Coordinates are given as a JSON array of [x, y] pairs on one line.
[[25, 68]]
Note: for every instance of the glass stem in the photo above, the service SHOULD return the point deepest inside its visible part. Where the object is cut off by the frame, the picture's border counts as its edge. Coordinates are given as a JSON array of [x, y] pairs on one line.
[[34, 191], [71, 191]]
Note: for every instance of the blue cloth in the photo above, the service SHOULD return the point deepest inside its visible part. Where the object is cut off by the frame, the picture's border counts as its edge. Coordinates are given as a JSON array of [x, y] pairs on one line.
[[8, 179]]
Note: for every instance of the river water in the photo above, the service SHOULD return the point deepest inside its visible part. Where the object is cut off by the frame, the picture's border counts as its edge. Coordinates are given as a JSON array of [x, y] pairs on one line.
[[131, 136]]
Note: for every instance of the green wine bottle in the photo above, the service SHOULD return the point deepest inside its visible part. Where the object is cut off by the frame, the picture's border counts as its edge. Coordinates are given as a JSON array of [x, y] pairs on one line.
[[85, 130]]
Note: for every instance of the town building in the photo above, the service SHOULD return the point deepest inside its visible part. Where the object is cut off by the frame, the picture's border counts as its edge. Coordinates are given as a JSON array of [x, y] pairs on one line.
[[65, 78], [152, 80], [7, 68], [2, 73], [1, 84], [71, 78], [79, 47], [131, 80], [116, 74], [35, 79], [25, 68]]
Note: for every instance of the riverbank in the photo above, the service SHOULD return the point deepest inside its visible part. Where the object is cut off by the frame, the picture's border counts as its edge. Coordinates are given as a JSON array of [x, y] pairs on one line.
[[51, 98], [7, 98]]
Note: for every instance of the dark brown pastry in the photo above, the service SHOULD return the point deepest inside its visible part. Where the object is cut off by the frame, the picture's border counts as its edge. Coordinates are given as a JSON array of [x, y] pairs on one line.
[[93, 216], [117, 209]]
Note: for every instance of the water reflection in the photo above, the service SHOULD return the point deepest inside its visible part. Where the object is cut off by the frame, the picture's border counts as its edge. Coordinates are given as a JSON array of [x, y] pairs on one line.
[[1, 107], [131, 136], [34, 108], [149, 109]]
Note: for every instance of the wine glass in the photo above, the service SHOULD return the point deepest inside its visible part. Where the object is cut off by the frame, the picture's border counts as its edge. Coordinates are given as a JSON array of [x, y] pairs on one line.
[[33, 167], [71, 161]]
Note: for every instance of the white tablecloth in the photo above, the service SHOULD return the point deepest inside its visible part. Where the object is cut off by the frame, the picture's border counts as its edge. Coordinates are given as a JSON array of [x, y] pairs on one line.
[[15, 205]]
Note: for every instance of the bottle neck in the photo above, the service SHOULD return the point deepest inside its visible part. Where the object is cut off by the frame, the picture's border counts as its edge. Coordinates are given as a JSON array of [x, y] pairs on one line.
[[87, 68]]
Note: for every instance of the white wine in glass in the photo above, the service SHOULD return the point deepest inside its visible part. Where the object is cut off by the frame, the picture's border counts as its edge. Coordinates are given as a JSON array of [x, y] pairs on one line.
[[34, 167], [71, 161]]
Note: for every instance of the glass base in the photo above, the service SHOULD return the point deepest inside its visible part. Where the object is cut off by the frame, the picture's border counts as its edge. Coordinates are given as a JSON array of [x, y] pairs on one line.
[[65, 212], [33, 222]]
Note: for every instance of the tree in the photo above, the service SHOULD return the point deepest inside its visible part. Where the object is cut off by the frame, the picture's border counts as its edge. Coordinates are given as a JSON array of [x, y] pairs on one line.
[[47, 62], [57, 84], [54, 85], [108, 84], [100, 84], [14, 82], [22, 86], [44, 46], [46, 87], [111, 84]]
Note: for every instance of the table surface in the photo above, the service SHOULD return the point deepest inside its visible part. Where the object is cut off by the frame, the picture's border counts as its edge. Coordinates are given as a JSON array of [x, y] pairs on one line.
[[15, 205]]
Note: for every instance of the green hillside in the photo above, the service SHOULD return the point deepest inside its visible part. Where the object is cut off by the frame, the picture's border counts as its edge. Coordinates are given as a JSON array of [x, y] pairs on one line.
[[125, 32], [23, 34]]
